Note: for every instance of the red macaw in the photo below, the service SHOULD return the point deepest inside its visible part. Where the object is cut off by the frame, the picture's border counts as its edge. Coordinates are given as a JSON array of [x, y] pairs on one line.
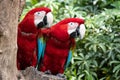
[[28, 30], [59, 43]]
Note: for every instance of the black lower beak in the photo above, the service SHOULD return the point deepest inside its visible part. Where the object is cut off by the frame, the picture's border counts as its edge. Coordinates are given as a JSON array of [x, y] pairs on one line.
[[45, 20], [43, 23], [78, 32], [75, 34], [40, 25]]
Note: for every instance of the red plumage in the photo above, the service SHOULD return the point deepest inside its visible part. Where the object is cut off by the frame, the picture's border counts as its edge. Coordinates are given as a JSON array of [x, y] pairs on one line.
[[55, 57], [26, 54], [27, 40], [58, 44]]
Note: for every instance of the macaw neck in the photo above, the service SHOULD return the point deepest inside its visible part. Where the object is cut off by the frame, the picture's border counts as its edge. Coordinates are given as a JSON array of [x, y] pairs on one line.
[[44, 32], [28, 26], [57, 41], [60, 34]]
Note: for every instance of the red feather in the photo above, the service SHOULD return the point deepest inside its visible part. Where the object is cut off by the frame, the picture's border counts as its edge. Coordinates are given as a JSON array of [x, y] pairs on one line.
[[27, 40], [58, 44]]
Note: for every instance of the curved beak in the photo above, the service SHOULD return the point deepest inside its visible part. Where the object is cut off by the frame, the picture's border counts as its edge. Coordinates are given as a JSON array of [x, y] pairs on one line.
[[42, 23], [82, 31], [47, 21], [78, 32]]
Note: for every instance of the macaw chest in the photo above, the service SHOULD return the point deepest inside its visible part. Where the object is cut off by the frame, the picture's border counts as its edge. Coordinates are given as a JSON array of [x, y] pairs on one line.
[[55, 56], [56, 48]]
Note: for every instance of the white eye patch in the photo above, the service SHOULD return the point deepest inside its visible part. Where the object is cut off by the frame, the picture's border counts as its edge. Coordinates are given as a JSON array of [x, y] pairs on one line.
[[72, 26], [38, 17]]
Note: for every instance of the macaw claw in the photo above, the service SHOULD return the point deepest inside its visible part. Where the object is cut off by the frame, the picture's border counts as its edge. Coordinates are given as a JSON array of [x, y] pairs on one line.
[[48, 72], [61, 75]]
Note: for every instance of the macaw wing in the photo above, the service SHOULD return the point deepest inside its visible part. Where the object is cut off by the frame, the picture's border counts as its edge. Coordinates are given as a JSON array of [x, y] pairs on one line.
[[69, 58], [41, 48], [70, 53]]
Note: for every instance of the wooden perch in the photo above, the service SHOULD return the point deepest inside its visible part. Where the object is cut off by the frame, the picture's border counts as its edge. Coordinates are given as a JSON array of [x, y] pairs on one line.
[[32, 74]]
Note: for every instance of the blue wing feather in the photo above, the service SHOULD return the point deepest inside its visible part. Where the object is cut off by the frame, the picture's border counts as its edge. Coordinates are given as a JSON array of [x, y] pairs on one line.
[[41, 49], [68, 59]]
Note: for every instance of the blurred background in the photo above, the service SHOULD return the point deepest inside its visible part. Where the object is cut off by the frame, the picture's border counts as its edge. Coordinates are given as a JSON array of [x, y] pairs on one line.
[[97, 56]]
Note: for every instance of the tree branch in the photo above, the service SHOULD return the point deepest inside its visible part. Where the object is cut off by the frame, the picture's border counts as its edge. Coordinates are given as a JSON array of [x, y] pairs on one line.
[[32, 74]]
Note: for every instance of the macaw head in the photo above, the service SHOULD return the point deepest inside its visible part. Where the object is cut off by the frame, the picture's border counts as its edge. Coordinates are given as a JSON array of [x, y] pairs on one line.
[[69, 28], [37, 18]]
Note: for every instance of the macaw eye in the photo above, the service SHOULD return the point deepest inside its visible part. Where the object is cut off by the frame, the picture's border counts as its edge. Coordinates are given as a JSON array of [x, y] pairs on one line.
[[71, 24], [38, 13]]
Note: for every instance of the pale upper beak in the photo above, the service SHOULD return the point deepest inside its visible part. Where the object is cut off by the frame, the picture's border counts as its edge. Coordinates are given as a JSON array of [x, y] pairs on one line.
[[49, 19], [82, 31]]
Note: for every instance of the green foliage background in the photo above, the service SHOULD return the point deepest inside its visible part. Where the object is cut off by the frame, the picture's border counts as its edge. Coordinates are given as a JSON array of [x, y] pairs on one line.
[[97, 56]]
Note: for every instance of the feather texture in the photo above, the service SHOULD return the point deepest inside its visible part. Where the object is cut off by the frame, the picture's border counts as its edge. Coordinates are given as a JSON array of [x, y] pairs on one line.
[[41, 48]]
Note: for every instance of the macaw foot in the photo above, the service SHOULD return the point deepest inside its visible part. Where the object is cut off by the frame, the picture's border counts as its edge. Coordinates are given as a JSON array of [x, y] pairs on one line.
[[61, 75], [47, 72]]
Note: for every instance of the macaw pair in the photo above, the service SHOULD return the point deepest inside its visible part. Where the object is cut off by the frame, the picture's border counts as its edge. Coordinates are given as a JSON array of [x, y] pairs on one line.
[[48, 49]]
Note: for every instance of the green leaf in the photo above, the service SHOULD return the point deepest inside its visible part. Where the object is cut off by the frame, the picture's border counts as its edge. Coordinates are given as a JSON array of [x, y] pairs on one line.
[[114, 62], [116, 68], [102, 46], [116, 4], [80, 76], [117, 50], [95, 47]]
